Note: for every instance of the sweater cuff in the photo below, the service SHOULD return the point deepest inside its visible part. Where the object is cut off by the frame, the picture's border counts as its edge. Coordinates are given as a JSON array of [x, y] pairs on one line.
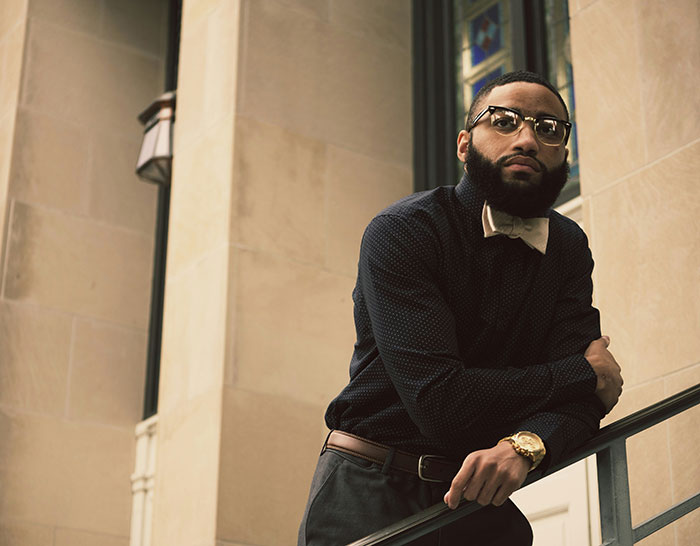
[[573, 378]]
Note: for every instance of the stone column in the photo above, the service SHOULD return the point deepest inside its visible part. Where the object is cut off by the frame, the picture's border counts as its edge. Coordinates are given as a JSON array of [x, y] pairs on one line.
[[293, 129]]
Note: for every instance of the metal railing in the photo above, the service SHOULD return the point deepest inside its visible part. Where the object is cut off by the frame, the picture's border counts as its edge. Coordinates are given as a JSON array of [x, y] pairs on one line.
[[609, 445]]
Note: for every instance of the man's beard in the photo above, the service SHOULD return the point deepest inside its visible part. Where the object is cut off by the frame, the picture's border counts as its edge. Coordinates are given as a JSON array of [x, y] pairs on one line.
[[525, 199]]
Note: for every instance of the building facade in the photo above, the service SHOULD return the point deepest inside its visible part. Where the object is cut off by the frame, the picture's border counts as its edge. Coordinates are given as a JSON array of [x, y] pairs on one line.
[[293, 128]]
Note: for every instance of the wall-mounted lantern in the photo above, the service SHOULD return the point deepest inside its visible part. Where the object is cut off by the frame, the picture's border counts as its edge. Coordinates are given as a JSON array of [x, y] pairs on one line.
[[155, 160]]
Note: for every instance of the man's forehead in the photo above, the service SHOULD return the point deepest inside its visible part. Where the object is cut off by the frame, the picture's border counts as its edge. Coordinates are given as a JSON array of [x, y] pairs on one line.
[[526, 97]]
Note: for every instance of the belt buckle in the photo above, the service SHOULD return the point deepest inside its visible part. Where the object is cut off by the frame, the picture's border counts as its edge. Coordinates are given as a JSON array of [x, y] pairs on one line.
[[421, 465]]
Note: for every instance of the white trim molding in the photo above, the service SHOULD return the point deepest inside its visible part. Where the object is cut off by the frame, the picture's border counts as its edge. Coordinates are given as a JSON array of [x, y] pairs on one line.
[[142, 482]]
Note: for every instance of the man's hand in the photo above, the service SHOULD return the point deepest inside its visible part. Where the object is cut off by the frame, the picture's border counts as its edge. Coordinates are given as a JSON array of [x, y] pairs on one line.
[[488, 476], [609, 384]]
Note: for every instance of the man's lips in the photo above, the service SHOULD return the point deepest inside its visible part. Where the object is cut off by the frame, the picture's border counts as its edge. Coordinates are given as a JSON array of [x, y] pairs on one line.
[[523, 161]]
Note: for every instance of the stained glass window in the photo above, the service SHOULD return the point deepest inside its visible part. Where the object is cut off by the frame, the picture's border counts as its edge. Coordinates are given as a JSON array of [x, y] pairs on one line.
[[485, 33], [483, 41]]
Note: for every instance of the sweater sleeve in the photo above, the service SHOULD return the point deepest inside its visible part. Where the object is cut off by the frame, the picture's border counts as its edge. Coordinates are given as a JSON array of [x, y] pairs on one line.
[[565, 426]]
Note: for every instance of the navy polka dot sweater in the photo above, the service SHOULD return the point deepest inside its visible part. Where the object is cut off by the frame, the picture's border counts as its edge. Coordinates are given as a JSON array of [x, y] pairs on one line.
[[462, 340]]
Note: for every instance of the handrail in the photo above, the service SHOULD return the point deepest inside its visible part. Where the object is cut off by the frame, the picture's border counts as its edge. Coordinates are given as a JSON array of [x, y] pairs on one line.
[[606, 439]]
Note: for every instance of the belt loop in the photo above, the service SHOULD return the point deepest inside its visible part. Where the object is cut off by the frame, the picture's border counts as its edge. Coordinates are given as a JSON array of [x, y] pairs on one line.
[[389, 459], [325, 443]]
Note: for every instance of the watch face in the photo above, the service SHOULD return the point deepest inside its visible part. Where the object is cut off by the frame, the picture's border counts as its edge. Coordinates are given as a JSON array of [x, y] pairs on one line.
[[529, 441], [530, 445]]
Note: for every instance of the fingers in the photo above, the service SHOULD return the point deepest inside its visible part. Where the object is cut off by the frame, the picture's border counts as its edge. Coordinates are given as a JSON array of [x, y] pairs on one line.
[[601, 343], [488, 476], [477, 486], [471, 483], [485, 496], [485, 487], [480, 488], [597, 346], [612, 390], [505, 491], [459, 483]]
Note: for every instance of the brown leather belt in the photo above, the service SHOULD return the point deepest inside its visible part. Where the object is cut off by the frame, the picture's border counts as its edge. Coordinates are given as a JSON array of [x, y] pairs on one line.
[[429, 468]]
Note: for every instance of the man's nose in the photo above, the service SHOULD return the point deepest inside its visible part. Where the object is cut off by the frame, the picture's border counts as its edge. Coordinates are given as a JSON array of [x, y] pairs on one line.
[[526, 139]]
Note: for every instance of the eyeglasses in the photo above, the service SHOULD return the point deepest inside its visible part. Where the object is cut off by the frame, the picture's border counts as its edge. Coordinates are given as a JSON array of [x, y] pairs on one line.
[[549, 131]]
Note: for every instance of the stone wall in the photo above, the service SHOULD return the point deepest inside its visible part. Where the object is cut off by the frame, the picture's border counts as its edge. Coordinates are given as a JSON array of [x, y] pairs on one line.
[[636, 72], [76, 273]]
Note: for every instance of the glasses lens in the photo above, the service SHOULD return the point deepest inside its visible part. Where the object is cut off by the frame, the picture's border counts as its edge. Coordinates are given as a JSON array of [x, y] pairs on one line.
[[505, 122], [550, 131]]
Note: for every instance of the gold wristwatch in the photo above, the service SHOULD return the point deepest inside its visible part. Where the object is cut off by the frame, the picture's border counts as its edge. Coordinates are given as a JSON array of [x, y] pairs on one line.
[[527, 444]]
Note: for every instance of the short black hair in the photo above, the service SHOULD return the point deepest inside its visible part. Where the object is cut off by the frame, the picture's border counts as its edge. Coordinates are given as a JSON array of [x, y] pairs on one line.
[[510, 77]]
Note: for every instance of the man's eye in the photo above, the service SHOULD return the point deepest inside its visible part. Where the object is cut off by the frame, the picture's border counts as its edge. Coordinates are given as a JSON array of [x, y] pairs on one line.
[[504, 123], [547, 127]]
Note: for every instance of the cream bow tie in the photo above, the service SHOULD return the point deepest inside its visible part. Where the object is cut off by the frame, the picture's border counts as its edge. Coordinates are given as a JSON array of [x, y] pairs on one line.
[[533, 231]]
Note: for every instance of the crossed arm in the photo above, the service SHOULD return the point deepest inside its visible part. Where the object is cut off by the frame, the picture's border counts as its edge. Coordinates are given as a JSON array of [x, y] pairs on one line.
[[448, 398], [490, 476]]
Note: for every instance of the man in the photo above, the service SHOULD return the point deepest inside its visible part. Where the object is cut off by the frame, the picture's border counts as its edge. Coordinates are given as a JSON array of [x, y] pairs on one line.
[[476, 338]]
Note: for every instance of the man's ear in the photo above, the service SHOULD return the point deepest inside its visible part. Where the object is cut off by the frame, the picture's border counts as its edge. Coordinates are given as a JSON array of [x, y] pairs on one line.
[[462, 145]]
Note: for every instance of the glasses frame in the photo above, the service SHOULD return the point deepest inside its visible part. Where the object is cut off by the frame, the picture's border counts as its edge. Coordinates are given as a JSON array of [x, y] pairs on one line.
[[535, 121]]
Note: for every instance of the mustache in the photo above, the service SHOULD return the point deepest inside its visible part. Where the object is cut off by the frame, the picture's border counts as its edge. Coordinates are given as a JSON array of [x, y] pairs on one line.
[[501, 161]]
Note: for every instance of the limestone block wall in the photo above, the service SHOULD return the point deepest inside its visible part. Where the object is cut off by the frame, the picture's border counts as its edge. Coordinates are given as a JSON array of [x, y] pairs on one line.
[[76, 272], [636, 70], [323, 142], [294, 128]]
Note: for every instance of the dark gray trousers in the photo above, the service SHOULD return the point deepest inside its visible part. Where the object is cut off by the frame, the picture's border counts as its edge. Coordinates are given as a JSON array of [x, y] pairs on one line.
[[351, 498]]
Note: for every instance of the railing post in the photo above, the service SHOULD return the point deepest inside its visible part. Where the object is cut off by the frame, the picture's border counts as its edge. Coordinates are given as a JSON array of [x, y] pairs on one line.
[[614, 496]]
